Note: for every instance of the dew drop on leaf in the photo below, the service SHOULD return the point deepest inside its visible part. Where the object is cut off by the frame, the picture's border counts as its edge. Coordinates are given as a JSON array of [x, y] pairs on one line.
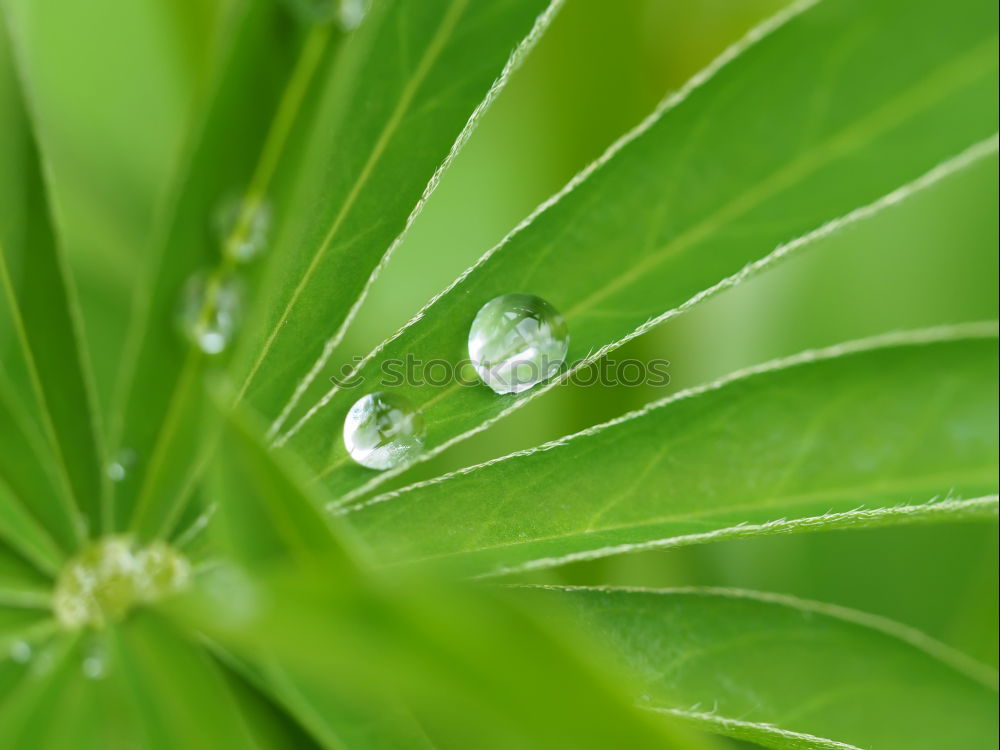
[[119, 467], [20, 652], [351, 13], [242, 227], [210, 310], [516, 341], [383, 430], [347, 13]]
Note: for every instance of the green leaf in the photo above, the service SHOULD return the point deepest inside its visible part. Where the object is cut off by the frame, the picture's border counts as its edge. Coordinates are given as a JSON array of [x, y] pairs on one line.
[[177, 690], [34, 512], [394, 111], [791, 133], [857, 435], [39, 310], [23, 583], [159, 419], [459, 658], [786, 673]]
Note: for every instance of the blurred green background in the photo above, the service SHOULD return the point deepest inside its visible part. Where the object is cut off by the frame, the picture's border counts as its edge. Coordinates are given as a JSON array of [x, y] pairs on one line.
[[115, 129]]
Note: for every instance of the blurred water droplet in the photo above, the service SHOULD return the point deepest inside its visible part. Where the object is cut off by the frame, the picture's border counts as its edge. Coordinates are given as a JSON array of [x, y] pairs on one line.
[[120, 465], [516, 341], [20, 652], [210, 310], [383, 430], [352, 13], [95, 663], [242, 238]]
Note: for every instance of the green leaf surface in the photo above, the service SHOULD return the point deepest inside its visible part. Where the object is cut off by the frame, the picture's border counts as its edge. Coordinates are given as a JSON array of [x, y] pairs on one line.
[[39, 317], [178, 692], [35, 515], [860, 434], [159, 418], [459, 658], [395, 108], [795, 130], [786, 673]]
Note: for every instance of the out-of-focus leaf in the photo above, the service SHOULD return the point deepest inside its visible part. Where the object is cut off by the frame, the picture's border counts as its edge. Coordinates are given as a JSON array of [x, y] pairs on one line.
[[178, 692], [790, 674], [159, 419], [36, 690], [397, 104], [40, 317], [861, 434], [35, 516], [460, 659], [792, 132], [23, 582], [270, 724]]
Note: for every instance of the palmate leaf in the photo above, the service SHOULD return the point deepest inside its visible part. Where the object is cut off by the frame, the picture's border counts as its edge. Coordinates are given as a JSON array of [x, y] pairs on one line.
[[856, 435], [389, 119], [752, 153], [790, 674], [460, 659], [331, 143], [40, 333]]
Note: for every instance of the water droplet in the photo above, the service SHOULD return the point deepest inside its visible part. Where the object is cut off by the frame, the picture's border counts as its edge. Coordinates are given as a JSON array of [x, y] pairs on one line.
[[120, 465], [351, 13], [210, 310], [243, 238], [20, 652], [95, 663], [516, 341], [383, 430], [93, 668]]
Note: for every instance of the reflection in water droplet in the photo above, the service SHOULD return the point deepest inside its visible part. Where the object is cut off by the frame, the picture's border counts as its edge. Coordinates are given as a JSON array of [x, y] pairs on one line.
[[119, 467], [516, 341], [210, 310], [20, 652], [242, 238], [383, 430]]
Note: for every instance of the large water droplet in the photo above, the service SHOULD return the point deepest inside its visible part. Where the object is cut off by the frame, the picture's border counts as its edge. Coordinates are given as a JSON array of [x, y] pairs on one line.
[[243, 238], [210, 310], [383, 430], [516, 341]]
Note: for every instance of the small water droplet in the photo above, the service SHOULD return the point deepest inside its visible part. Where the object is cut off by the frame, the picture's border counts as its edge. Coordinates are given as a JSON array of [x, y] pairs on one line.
[[210, 310], [516, 341], [383, 430], [93, 668], [242, 238], [20, 652], [120, 465], [95, 663]]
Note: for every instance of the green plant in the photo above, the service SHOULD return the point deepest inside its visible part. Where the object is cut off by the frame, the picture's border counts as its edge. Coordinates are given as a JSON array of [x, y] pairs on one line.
[[188, 555]]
